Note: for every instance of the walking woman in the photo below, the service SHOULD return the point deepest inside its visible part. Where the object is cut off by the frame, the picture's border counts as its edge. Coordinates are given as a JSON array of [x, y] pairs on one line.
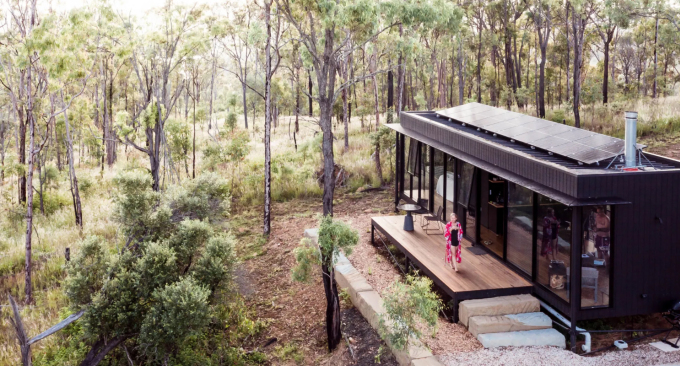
[[454, 236]]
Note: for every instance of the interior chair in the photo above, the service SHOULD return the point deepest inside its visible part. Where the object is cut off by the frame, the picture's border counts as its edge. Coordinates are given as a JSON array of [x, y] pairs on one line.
[[589, 279]]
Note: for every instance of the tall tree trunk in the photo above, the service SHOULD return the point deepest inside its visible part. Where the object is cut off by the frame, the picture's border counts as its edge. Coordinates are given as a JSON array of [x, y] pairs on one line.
[[75, 193], [566, 26], [578, 26], [29, 194], [332, 307], [605, 75], [400, 76], [212, 94], [543, 25], [23, 120], [110, 141], [656, 37], [267, 121], [297, 103], [390, 90], [461, 74], [479, 63], [193, 145], [245, 105], [309, 76]]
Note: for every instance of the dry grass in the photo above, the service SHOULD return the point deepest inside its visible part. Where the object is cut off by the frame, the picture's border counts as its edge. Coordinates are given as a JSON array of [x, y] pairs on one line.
[[52, 235]]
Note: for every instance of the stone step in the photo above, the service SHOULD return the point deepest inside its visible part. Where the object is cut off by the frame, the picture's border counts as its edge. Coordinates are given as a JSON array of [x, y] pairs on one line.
[[540, 337], [508, 323], [502, 305]]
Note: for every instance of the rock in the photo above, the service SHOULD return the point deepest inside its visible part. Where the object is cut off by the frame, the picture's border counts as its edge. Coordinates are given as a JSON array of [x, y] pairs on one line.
[[541, 337], [508, 323], [502, 305]]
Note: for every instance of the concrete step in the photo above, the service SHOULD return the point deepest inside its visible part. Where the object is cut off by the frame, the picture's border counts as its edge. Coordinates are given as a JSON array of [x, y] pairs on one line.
[[502, 305], [540, 337], [508, 323]]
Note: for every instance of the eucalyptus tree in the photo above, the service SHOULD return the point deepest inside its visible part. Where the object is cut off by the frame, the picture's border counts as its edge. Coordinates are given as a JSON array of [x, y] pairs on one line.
[[608, 18], [581, 12], [272, 53], [26, 81], [75, 44], [237, 42], [155, 57], [332, 31], [542, 17]]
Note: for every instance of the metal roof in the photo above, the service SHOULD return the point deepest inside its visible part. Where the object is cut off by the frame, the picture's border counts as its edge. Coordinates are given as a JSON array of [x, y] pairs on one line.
[[580, 145]]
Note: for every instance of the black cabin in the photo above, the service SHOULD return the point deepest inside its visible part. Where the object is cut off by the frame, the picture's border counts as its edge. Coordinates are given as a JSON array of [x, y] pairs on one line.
[[556, 204]]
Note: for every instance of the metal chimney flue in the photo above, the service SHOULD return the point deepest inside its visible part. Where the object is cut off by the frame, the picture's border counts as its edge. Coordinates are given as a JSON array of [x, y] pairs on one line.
[[631, 137]]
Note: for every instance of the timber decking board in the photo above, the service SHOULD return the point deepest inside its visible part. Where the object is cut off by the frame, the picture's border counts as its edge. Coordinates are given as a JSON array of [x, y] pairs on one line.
[[476, 272]]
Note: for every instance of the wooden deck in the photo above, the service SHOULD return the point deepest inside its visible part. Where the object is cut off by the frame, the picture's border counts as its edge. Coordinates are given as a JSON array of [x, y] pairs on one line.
[[478, 276]]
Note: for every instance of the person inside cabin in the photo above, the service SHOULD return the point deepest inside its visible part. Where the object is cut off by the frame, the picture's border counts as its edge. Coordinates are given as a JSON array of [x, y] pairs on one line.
[[551, 227], [602, 232], [454, 236]]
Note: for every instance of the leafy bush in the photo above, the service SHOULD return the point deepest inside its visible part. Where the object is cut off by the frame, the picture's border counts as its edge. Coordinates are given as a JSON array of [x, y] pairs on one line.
[[408, 305], [85, 186], [52, 202], [160, 292]]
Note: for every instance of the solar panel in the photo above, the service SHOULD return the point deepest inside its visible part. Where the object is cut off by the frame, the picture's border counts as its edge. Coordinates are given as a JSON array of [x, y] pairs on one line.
[[581, 145], [530, 137], [515, 131], [615, 147], [592, 155], [550, 142], [574, 134]]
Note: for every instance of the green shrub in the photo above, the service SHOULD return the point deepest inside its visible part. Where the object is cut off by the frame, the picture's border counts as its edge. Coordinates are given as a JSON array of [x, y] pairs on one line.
[[408, 305], [85, 186], [52, 201], [161, 292]]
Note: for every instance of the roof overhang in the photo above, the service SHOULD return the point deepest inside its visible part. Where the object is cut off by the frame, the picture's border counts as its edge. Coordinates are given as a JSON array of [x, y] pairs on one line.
[[554, 194]]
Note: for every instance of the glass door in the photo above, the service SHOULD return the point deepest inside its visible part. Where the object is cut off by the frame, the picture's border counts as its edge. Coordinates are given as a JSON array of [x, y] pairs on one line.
[[492, 212], [520, 227], [467, 199]]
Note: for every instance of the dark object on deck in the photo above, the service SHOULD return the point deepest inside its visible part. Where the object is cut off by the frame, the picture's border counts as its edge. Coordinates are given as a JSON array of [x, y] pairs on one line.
[[408, 220], [428, 219], [476, 250], [423, 203]]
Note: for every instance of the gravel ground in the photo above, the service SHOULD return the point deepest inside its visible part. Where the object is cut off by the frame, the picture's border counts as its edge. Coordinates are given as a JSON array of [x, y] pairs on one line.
[[531, 356]]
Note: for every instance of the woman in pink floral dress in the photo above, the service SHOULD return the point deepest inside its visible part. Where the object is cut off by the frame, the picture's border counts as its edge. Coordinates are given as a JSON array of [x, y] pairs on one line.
[[454, 236]]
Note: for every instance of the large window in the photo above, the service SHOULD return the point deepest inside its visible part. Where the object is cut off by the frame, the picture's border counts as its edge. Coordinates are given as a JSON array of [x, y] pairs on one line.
[[467, 198], [425, 176], [412, 171], [595, 254], [553, 246], [440, 181], [520, 226], [449, 208]]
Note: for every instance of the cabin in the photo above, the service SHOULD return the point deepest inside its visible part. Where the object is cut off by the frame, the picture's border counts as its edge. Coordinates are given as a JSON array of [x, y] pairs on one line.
[[543, 206]]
